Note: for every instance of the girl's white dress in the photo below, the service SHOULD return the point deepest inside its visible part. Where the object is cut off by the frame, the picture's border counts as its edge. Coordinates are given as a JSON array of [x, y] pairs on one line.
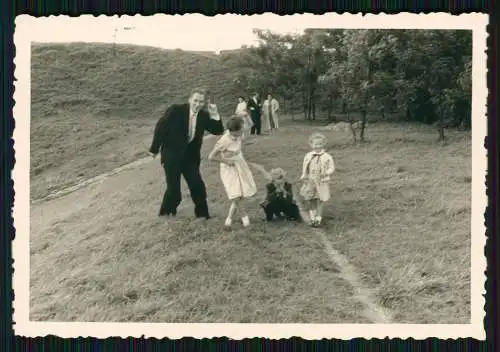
[[237, 179], [317, 168]]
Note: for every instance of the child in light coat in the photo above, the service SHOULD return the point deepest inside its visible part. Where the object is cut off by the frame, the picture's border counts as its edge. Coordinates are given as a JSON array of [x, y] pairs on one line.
[[317, 169]]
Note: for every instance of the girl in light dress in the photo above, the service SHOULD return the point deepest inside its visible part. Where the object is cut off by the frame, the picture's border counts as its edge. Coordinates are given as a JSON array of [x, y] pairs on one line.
[[241, 107], [317, 168], [235, 173], [247, 123]]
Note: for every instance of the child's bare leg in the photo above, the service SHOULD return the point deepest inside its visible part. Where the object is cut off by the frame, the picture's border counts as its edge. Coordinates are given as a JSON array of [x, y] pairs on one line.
[[313, 209], [230, 214], [319, 210], [243, 213]]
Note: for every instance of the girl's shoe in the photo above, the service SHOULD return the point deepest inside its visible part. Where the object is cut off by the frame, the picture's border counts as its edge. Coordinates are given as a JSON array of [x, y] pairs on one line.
[[227, 224], [246, 221], [315, 223], [319, 221]]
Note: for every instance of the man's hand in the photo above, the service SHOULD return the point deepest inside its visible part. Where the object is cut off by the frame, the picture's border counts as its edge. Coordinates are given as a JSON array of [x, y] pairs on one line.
[[214, 113]]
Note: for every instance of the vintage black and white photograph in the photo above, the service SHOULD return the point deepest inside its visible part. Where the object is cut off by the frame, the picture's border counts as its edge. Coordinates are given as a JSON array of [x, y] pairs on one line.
[[251, 170]]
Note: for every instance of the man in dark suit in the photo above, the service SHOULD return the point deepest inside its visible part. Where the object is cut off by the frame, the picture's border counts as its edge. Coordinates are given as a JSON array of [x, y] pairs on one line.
[[254, 106], [179, 136]]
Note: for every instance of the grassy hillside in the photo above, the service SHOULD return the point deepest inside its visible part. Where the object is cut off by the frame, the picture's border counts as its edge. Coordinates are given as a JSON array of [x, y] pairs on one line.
[[400, 213], [91, 103]]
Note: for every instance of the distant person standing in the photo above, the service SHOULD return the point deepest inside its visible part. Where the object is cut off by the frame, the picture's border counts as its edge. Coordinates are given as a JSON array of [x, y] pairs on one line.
[[270, 109], [178, 135], [254, 107], [241, 108]]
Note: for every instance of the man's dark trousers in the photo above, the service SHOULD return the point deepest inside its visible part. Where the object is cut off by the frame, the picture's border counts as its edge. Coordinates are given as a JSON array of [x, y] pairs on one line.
[[256, 119], [190, 170]]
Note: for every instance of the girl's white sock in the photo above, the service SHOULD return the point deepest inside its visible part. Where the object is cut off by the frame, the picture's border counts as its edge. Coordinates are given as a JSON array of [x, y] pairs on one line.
[[245, 220], [228, 222], [312, 214]]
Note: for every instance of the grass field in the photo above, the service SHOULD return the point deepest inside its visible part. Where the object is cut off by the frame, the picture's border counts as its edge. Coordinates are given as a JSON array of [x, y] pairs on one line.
[[400, 214]]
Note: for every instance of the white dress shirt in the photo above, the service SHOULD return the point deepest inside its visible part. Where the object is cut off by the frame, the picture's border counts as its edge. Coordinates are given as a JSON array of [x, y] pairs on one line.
[[193, 117], [192, 124]]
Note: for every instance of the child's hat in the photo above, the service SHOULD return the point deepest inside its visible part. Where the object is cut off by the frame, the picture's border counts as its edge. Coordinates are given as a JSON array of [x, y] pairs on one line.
[[277, 173]]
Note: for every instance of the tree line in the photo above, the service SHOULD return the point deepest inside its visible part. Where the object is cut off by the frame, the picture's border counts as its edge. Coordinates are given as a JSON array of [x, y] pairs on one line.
[[407, 75]]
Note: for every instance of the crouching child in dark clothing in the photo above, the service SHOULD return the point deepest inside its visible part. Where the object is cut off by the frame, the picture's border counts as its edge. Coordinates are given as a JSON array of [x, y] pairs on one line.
[[279, 198]]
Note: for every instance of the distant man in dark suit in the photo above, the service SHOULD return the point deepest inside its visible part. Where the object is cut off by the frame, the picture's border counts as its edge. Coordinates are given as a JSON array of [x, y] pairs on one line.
[[254, 106], [179, 136]]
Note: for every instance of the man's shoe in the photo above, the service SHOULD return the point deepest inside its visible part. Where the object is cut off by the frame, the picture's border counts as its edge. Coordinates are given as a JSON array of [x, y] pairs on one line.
[[206, 216], [168, 213]]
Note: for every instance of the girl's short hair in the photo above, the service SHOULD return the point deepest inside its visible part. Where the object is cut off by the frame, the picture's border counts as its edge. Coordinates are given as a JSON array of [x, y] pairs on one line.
[[318, 136], [235, 123]]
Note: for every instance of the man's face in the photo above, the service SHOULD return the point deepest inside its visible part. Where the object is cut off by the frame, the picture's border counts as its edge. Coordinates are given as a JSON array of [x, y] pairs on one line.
[[196, 101], [240, 100]]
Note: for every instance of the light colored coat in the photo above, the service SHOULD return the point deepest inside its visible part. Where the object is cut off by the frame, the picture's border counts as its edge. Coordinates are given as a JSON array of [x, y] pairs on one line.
[[318, 177], [275, 105]]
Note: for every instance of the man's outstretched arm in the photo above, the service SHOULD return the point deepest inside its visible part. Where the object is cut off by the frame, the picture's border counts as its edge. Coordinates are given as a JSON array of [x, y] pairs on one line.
[[214, 124]]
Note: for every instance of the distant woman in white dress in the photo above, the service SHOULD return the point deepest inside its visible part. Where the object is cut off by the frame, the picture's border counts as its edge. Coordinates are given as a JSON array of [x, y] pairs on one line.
[[241, 108], [235, 173], [270, 109]]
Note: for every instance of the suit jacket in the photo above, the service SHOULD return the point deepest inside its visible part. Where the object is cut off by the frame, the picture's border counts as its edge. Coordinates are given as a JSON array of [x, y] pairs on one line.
[[256, 106], [172, 132]]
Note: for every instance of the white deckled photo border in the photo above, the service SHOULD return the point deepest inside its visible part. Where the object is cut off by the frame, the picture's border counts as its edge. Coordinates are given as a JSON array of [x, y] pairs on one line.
[[21, 211]]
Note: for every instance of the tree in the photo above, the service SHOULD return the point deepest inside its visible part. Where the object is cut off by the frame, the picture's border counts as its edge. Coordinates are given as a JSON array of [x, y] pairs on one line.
[[422, 75]]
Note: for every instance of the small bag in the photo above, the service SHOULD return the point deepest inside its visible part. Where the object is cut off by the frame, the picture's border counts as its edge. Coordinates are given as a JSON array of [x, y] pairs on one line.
[[308, 190]]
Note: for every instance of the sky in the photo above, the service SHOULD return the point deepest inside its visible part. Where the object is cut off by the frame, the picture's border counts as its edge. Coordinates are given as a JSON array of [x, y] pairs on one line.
[[192, 32], [221, 32]]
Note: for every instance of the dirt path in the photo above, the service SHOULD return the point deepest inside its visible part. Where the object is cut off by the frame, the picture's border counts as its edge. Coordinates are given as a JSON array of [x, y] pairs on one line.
[[374, 312], [65, 204]]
